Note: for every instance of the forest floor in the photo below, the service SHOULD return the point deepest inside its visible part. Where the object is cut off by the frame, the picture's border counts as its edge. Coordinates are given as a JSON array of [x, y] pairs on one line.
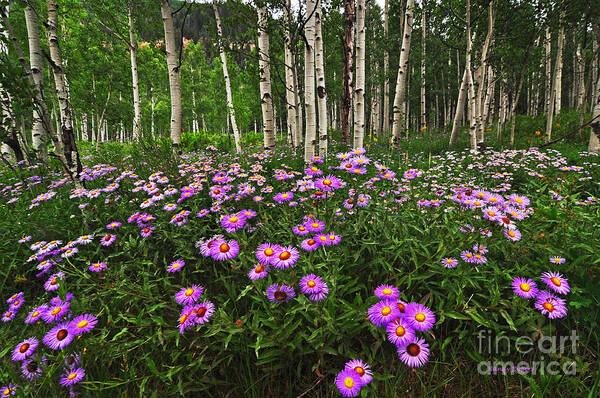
[[258, 276]]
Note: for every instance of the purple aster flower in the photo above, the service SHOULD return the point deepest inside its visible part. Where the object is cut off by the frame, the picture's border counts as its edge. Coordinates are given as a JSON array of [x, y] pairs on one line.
[[56, 311], [83, 323], [146, 231], [300, 230], [314, 225], [523, 287], [285, 257], [189, 295], [97, 267], [113, 225], [233, 222], [348, 383], [479, 259], [551, 306], [8, 316], [9, 390], [400, 331], [312, 284], [310, 244], [557, 260], [383, 292], [72, 360], [415, 353], [477, 248], [59, 337], [313, 171], [53, 282], [329, 183], [25, 349], [467, 256], [280, 294], [259, 271], [383, 312], [15, 297], [333, 239], [203, 311], [176, 266], [363, 200], [449, 262], [556, 282], [224, 250], [69, 252], [283, 197], [35, 314], [186, 318], [31, 369], [512, 234], [249, 214], [519, 200], [16, 304], [108, 240], [362, 369], [420, 317], [266, 253], [72, 376], [322, 295]]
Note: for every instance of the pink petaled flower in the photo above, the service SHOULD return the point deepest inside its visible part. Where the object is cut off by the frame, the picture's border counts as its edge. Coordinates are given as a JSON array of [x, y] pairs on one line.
[[449, 262], [283, 197], [176, 266], [328, 183], [108, 240], [146, 231], [512, 234], [259, 271], [189, 295], [113, 225], [224, 250], [233, 222], [556, 282], [300, 230], [285, 257], [310, 244], [314, 225], [266, 253]]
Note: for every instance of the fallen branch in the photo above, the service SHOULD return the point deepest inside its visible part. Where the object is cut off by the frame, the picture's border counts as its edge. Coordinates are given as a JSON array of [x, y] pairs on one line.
[[570, 133]]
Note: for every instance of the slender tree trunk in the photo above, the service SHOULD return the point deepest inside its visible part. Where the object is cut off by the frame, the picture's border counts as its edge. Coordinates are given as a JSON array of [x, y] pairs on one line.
[[66, 146], [347, 97], [231, 110], [359, 89], [548, 49], [84, 128], [152, 106], [320, 74], [174, 81], [299, 110], [554, 102], [290, 86], [513, 110], [595, 81], [581, 84], [137, 109], [471, 85], [399, 97], [423, 36], [386, 70], [35, 62], [264, 70], [594, 144], [309, 83]]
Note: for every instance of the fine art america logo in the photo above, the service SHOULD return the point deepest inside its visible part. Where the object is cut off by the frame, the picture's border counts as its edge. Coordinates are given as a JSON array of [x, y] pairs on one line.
[[551, 346]]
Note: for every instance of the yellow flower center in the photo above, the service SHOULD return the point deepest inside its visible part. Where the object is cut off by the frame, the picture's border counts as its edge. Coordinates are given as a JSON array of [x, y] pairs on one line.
[[525, 287], [285, 195], [314, 168], [519, 200], [400, 331], [189, 292], [269, 252], [233, 219], [323, 238], [285, 255], [314, 225], [327, 182], [387, 291], [82, 324], [311, 283], [349, 382], [224, 248], [35, 314], [386, 311], [511, 234], [556, 281], [55, 311], [548, 306], [359, 370], [71, 376], [420, 317]]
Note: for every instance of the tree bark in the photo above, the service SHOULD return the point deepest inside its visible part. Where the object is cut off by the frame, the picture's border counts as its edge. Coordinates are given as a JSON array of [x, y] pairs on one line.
[[460, 107], [231, 110], [423, 36], [359, 90], [347, 97], [399, 97], [310, 135], [174, 80], [548, 49], [64, 142], [264, 70], [137, 109], [320, 74], [386, 70], [555, 93], [290, 86]]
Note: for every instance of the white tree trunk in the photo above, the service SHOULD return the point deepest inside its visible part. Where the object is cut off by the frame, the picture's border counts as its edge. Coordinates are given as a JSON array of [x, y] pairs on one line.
[[359, 88], [581, 84], [38, 138], [64, 141], [548, 49], [595, 81], [173, 67], [137, 109], [386, 69], [460, 107], [230, 108], [290, 86], [321, 91], [309, 82], [399, 97], [264, 70], [472, 106], [84, 127], [299, 110], [555, 94], [423, 37], [559, 69]]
